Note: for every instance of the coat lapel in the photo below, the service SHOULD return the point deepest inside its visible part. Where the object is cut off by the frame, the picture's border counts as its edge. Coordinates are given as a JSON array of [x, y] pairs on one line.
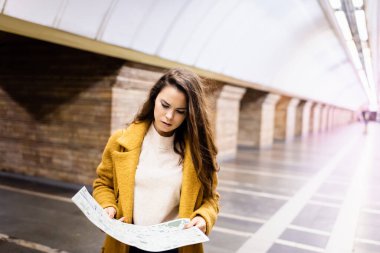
[[126, 163], [190, 186], [125, 170]]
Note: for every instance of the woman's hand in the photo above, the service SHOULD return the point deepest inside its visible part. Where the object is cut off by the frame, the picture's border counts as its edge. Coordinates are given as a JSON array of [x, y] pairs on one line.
[[199, 222], [111, 211]]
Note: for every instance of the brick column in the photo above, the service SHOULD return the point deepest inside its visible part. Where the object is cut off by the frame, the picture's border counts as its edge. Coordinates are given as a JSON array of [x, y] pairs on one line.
[[257, 119], [350, 116], [299, 114], [280, 118], [328, 111], [306, 118], [343, 117], [285, 118], [343, 120], [330, 121], [316, 118], [354, 116], [129, 92], [324, 111], [311, 118], [330, 118], [291, 119], [335, 117], [338, 117], [227, 120], [346, 117]]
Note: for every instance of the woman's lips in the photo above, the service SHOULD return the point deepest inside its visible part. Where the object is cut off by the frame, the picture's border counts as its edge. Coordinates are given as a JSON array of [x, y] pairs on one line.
[[166, 124]]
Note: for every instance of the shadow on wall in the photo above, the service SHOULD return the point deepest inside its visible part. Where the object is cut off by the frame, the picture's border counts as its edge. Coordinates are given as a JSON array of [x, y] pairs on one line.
[[40, 76], [55, 108]]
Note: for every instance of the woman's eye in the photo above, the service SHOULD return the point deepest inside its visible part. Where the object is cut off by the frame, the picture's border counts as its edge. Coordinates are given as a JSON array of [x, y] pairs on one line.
[[165, 106], [181, 112]]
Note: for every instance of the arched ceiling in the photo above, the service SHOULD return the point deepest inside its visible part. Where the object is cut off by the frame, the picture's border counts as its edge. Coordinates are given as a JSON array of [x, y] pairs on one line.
[[287, 46]]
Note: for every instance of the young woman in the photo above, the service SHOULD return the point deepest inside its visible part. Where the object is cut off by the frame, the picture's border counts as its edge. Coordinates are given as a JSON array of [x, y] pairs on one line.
[[163, 166]]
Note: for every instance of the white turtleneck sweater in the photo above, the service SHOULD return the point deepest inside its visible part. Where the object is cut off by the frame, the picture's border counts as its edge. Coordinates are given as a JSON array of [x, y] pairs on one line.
[[158, 180]]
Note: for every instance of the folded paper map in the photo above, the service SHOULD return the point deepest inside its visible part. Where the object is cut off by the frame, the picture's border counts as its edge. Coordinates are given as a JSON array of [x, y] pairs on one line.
[[160, 237]]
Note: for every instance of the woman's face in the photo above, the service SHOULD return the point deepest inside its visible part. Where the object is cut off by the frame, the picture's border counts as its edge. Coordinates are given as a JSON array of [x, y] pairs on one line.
[[170, 110]]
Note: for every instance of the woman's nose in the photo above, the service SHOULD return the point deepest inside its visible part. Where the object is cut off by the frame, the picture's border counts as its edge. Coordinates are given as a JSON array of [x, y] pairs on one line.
[[169, 114]]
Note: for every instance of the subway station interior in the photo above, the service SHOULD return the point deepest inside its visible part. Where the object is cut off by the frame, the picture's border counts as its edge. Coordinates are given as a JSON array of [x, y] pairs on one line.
[[293, 93]]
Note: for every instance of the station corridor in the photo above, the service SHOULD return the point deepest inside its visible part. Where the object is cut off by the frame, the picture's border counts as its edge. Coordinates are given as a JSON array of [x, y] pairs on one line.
[[283, 89], [316, 194]]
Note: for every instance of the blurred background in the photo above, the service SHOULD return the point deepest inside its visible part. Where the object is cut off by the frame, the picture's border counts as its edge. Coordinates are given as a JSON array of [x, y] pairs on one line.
[[293, 88]]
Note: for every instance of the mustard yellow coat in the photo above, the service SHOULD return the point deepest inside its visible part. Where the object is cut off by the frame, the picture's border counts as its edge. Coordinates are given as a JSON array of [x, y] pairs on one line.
[[114, 185]]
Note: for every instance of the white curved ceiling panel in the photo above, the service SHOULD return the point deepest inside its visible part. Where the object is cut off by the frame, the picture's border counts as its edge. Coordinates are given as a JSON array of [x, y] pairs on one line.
[[156, 25], [351, 97], [226, 39], [285, 45], [125, 21], [270, 42], [184, 27], [83, 17], [251, 57], [205, 30], [311, 62], [42, 12]]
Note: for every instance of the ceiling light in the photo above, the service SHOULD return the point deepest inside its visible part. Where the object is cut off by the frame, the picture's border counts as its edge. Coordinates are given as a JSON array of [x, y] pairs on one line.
[[342, 21], [357, 3], [369, 70], [335, 4], [354, 53], [367, 61], [363, 79], [361, 22], [365, 84]]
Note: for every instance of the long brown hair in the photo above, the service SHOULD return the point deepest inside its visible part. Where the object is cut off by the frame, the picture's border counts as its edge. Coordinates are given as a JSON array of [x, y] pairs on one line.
[[195, 128]]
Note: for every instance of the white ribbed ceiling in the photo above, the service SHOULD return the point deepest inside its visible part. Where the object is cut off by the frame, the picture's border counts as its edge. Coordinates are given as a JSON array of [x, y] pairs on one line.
[[284, 45]]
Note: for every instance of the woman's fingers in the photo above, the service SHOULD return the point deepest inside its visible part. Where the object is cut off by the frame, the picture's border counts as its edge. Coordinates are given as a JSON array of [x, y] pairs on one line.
[[197, 221], [111, 211], [190, 224]]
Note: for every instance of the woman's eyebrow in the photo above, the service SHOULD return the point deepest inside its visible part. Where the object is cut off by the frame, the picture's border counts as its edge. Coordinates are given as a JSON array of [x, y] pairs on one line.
[[181, 108]]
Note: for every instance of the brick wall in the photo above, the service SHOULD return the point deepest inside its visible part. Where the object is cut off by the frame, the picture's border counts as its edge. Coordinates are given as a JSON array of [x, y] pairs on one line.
[[59, 105], [130, 92], [299, 113], [280, 118], [250, 118], [55, 105], [226, 113]]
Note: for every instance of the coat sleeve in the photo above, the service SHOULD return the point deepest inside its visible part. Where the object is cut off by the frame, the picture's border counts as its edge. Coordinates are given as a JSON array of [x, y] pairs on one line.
[[103, 185], [209, 208]]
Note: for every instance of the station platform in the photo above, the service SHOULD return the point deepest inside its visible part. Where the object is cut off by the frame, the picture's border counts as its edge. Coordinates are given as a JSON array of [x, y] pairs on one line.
[[315, 194]]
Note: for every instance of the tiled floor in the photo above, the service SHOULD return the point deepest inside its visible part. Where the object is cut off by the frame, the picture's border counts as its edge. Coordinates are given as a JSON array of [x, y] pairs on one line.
[[312, 195], [258, 184]]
